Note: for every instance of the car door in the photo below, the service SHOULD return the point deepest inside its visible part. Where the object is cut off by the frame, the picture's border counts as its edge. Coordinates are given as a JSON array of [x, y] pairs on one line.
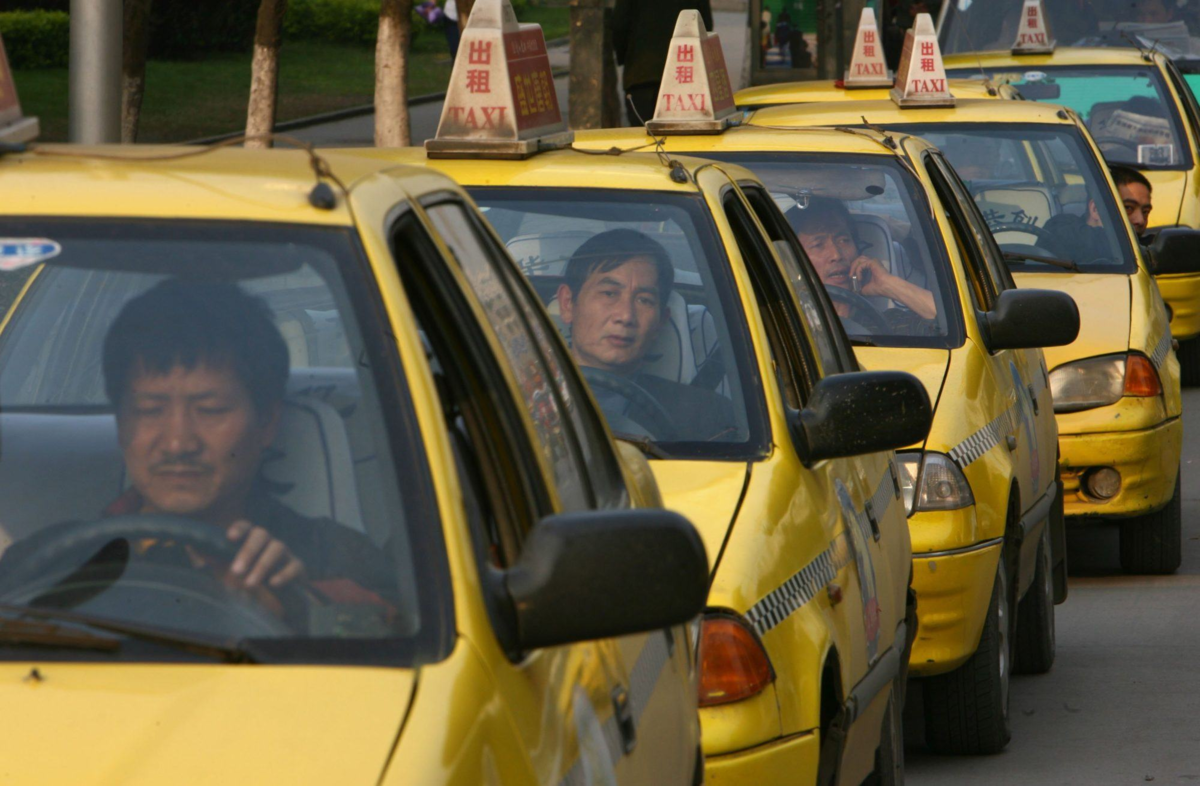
[[650, 735], [802, 358]]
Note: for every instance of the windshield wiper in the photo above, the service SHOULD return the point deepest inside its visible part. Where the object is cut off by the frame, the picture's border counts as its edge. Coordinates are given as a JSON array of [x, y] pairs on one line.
[[18, 629], [645, 444], [1017, 256]]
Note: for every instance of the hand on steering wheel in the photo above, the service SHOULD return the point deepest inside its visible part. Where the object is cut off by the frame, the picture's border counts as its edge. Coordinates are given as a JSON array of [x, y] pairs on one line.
[[860, 306]]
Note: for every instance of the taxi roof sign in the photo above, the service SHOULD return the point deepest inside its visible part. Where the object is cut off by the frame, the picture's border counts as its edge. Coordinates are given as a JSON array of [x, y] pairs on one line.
[[501, 102], [921, 79], [867, 66], [1033, 36], [696, 96], [15, 128]]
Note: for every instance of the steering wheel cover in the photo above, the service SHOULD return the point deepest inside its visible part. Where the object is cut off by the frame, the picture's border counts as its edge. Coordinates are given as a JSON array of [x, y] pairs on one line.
[[860, 305]]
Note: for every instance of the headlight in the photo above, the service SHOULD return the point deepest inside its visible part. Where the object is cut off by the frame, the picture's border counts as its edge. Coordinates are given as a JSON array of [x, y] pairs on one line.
[[1098, 382], [941, 483]]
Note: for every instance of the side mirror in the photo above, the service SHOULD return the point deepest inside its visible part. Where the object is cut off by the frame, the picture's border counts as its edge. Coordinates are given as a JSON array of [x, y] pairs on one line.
[[1175, 250], [599, 574], [862, 412], [1028, 318]]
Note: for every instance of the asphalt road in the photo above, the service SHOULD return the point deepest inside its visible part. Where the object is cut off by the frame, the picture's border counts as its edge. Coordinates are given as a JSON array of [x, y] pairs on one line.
[[1122, 703]]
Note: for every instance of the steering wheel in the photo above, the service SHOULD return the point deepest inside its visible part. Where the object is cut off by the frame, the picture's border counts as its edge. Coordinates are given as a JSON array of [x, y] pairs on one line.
[[661, 425], [1041, 233], [73, 544], [860, 306]]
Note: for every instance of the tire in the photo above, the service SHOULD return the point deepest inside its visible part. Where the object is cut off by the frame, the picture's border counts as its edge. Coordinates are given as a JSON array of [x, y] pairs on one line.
[[1034, 639], [966, 710], [889, 758], [1189, 362], [1152, 544]]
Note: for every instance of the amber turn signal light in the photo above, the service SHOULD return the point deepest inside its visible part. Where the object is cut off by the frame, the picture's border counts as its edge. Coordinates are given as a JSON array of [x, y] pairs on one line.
[[1140, 377], [733, 663]]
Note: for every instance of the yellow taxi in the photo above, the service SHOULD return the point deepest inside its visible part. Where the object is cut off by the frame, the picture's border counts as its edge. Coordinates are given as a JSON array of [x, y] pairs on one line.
[[1039, 179], [300, 486], [708, 344], [1135, 103], [929, 296]]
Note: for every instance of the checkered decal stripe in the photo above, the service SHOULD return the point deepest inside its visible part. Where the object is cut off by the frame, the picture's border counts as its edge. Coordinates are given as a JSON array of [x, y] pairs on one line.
[[1160, 350], [985, 439]]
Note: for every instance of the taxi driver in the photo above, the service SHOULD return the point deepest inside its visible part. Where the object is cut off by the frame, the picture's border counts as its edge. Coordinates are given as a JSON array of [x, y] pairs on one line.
[[826, 231], [614, 300], [196, 373]]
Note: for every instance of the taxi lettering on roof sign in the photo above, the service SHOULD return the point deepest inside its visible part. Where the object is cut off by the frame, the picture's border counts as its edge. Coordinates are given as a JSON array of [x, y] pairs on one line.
[[696, 95], [867, 66], [921, 80], [501, 102], [1033, 36], [14, 127]]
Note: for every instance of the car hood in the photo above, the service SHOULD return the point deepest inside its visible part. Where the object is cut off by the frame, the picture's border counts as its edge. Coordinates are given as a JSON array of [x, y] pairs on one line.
[[927, 365], [1103, 301], [708, 493], [136, 723]]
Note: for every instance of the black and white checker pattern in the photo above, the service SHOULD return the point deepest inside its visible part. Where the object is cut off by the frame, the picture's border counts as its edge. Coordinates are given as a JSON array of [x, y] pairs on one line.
[[1160, 350], [985, 439]]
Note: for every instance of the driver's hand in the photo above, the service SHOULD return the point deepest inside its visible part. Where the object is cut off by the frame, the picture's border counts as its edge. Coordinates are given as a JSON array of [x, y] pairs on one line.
[[260, 556], [873, 278]]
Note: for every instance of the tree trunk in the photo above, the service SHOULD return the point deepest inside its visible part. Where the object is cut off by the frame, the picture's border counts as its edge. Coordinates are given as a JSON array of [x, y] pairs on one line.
[[264, 72], [464, 13], [133, 66], [391, 74]]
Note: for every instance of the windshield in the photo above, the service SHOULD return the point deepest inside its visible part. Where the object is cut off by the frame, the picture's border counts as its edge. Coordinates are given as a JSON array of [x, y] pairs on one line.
[[986, 25], [1128, 110], [866, 228], [640, 286], [197, 436], [1041, 191]]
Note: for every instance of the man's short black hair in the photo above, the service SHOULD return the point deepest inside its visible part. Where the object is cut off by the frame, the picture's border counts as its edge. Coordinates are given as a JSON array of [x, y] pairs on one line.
[[819, 215], [609, 250], [1124, 175], [186, 323]]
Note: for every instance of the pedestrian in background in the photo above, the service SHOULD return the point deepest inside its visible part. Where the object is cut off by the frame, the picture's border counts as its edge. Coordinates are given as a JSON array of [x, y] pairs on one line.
[[642, 32], [451, 28]]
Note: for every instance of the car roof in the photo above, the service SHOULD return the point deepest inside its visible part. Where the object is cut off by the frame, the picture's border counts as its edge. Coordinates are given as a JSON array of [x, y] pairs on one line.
[[748, 138], [1062, 56], [967, 110], [829, 90], [142, 181]]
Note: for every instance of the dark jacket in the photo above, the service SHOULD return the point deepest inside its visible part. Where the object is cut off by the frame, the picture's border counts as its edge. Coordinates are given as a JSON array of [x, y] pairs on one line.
[[642, 32]]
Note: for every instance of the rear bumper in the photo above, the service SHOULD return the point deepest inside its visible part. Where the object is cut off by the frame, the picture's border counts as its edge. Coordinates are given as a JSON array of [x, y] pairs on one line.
[[1148, 461], [787, 761], [1182, 294], [953, 589]]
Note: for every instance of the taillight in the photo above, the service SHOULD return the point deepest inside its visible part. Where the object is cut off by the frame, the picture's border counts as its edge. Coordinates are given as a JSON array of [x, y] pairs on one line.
[[1140, 377], [733, 663]]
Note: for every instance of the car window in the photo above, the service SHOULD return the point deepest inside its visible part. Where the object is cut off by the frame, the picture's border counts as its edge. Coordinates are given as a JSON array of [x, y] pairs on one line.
[[669, 361], [190, 374], [1128, 110], [1071, 215], [865, 227], [993, 262]]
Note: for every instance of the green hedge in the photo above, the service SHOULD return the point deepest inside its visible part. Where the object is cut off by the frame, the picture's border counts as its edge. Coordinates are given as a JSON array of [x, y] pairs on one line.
[[36, 39], [333, 21]]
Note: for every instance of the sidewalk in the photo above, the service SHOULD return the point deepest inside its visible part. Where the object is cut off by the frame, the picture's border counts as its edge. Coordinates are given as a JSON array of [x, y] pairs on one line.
[[423, 118]]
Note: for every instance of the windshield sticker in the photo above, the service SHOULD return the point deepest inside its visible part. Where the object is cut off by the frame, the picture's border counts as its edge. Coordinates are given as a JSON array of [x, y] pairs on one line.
[[1035, 76], [20, 252], [1156, 155]]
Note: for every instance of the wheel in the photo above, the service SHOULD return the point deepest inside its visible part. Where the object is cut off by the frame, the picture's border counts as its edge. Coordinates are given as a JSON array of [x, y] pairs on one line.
[[889, 758], [1151, 544], [966, 710], [1034, 638], [1189, 362]]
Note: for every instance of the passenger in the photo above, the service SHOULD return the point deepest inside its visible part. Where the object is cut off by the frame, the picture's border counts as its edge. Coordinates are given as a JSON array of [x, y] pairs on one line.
[[826, 230], [1135, 192], [196, 373], [1081, 239], [614, 301]]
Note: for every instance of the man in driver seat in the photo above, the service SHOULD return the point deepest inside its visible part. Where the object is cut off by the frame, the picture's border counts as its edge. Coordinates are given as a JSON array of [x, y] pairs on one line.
[[826, 231], [196, 372], [614, 300]]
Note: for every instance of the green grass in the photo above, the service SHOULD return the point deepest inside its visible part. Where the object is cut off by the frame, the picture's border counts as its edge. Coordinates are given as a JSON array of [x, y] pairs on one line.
[[189, 100]]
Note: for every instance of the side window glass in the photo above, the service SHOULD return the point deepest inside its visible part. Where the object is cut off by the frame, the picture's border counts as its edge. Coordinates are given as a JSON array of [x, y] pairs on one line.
[[982, 288], [540, 385], [831, 344], [993, 257]]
